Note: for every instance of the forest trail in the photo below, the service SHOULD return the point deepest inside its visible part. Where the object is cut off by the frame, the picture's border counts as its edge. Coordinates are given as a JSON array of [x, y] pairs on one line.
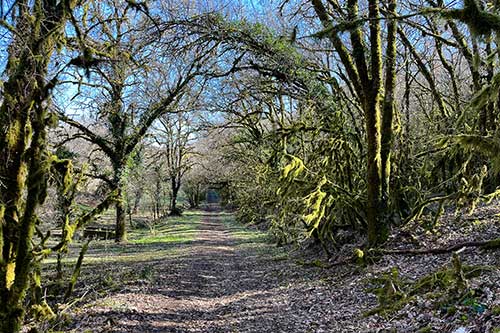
[[214, 287], [214, 275], [226, 280]]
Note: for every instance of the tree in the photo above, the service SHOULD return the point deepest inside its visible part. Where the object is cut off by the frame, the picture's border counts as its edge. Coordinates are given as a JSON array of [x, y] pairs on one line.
[[362, 71], [157, 62], [175, 135], [194, 186], [37, 30], [374, 92]]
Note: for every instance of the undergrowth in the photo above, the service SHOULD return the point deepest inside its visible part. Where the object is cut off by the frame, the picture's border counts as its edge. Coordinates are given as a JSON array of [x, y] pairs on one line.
[[446, 288]]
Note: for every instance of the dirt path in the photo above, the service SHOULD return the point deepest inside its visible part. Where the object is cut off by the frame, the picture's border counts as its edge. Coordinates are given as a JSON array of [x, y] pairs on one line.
[[208, 284], [225, 282], [217, 284]]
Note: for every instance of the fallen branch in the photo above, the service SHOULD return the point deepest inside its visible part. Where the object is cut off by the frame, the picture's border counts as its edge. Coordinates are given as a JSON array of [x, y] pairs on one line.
[[374, 253], [488, 245]]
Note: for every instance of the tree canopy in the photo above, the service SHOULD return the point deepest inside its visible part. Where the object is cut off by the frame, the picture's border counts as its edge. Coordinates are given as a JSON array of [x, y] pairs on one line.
[[308, 118]]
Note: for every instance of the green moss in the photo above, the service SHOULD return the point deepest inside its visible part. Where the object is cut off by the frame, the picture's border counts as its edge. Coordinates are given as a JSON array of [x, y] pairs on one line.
[[360, 256], [479, 21], [10, 274], [76, 271], [13, 133], [42, 311], [426, 329], [446, 287], [63, 168], [293, 169], [390, 291], [493, 244]]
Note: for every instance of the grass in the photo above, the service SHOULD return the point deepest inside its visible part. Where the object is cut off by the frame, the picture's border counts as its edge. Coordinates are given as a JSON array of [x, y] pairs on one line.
[[109, 267], [250, 238], [180, 229], [166, 238], [144, 244], [241, 232]]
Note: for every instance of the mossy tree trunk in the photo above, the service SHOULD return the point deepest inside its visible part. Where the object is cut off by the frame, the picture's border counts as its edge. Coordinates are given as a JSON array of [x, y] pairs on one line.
[[377, 228], [389, 108], [119, 123], [377, 104], [121, 214], [120, 204], [24, 163]]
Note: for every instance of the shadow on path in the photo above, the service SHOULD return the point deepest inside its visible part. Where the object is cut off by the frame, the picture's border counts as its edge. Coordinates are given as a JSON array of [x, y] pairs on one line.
[[217, 283]]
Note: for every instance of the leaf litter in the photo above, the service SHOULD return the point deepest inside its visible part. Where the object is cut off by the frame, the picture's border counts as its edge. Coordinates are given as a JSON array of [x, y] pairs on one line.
[[223, 283]]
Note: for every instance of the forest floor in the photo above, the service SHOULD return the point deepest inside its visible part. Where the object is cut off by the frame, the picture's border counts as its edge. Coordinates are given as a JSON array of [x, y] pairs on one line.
[[206, 273]]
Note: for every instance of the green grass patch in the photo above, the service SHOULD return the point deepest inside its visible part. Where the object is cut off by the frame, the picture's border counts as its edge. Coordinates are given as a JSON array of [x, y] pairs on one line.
[[241, 232], [180, 238], [179, 230], [161, 240]]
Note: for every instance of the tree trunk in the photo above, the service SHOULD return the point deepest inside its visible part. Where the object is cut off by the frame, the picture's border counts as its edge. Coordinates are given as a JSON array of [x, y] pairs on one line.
[[137, 199], [376, 228], [195, 196], [121, 214], [158, 191], [376, 205], [23, 169], [174, 211], [389, 104], [367, 83]]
